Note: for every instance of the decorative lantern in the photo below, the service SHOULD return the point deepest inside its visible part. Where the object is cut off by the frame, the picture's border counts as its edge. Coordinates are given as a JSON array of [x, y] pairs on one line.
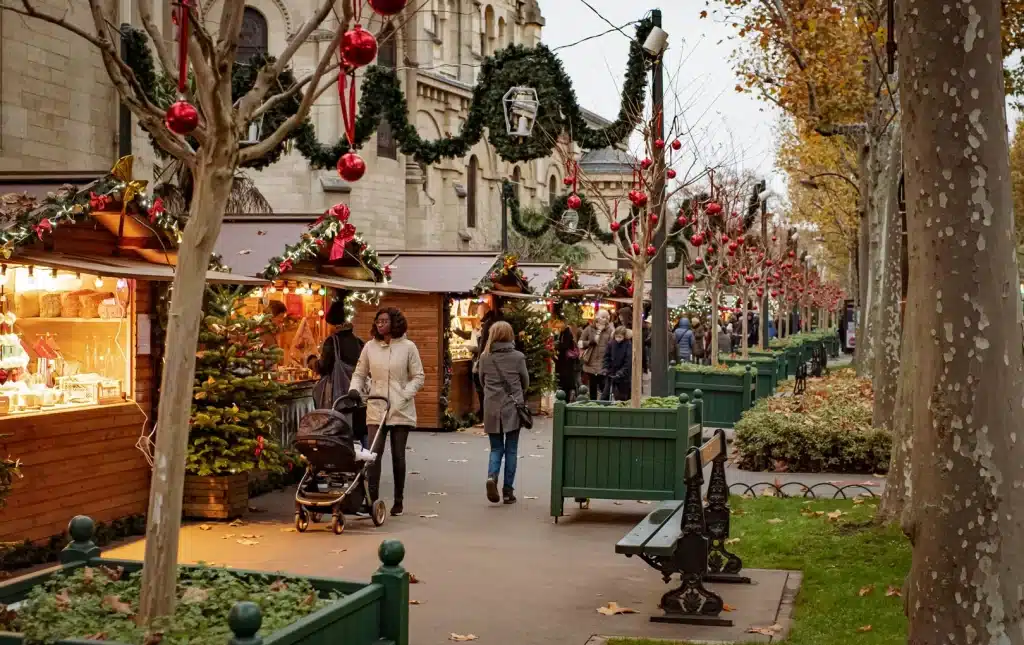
[[570, 220], [255, 132], [670, 254], [521, 106]]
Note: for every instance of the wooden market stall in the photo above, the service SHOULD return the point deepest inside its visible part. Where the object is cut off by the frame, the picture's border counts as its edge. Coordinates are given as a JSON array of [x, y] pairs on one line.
[[447, 291], [79, 358]]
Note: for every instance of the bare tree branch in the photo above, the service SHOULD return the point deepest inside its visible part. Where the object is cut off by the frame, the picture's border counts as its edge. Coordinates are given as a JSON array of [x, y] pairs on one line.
[[166, 60], [294, 89]]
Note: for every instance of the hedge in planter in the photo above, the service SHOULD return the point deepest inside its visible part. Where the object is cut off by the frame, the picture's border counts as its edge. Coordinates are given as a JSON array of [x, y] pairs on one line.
[[781, 363], [767, 371], [605, 451], [92, 600], [827, 429], [728, 391]]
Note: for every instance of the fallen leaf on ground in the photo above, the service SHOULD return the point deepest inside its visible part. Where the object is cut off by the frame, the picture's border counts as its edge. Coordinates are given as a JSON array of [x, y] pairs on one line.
[[541, 456], [865, 628], [288, 530], [732, 541], [251, 537], [153, 638], [98, 636], [87, 575], [429, 516], [194, 595], [771, 630], [613, 608], [728, 607], [617, 503], [641, 501], [278, 585], [865, 590], [737, 511], [437, 494], [457, 461], [857, 501], [63, 600], [309, 600], [774, 520], [257, 509], [893, 591], [227, 536], [247, 542], [414, 472], [460, 638], [413, 580], [415, 602], [457, 443], [337, 551], [116, 605], [205, 527], [114, 573], [768, 492], [237, 522], [834, 515]]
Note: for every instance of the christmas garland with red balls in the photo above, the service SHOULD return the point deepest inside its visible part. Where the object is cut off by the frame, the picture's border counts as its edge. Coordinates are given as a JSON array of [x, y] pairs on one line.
[[567, 279], [503, 268]]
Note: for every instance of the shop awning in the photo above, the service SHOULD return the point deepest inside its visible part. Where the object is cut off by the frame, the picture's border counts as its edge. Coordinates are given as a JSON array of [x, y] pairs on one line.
[[519, 296], [337, 282], [123, 267], [440, 272]]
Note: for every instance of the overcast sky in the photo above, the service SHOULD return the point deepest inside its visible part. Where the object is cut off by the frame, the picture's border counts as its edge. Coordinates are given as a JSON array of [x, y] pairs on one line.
[[729, 127]]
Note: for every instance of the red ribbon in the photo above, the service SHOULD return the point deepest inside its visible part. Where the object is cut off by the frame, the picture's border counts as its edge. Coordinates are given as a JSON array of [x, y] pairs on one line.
[[259, 445], [184, 17], [285, 266], [341, 240], [156, 209], [44, 226]]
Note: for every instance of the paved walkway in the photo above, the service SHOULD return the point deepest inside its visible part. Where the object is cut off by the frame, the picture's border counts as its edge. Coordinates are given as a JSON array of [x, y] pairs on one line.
[[507, 574]]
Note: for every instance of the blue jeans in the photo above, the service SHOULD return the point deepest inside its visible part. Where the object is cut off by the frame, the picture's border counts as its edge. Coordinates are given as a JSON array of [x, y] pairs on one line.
[[504, 446]]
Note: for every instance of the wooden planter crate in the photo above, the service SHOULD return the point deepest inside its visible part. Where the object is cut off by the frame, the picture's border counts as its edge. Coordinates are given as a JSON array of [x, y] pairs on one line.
[[216, 497], [370, 613], [767, 374], [781, 363], [608, 452], [726, 395]]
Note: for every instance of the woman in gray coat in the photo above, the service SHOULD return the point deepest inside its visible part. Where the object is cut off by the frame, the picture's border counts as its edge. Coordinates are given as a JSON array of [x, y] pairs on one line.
[[505, 380]]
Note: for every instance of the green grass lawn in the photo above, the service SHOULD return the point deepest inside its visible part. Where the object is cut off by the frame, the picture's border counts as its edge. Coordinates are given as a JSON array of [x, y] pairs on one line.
[[848, 566]]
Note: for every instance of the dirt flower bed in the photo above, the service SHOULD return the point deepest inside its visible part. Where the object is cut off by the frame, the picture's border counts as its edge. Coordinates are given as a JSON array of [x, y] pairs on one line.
[[827, 429], [101, 603]]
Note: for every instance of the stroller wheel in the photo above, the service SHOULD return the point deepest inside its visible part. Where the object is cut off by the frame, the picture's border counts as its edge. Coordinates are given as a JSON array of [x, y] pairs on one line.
[[379, 512], [316, 517], [338, 524], [301, 521]]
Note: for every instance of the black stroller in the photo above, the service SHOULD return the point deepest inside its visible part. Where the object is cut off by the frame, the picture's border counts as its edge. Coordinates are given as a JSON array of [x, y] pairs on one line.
[[335, 481]]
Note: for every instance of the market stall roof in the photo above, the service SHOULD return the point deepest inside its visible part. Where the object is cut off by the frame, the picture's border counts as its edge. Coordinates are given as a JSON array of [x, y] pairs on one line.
[[439, 272], [539, 276], [123, 267], [338, 282], [246, 245]]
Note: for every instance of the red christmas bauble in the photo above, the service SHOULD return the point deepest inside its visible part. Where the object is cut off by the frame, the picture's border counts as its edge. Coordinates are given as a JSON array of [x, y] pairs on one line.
[[768, 263], [743, 271], [682, 220], [690, 277], [725, 238], [739, 239], [792, 254], [654, 219], [182, 118], [641, 199], [671, 173], [760, 291], [651, 250], [573, 202], [636, 248], [659, 144], [732, 280], [774, 238], [615, 226], [696, 240], [351, 167], [388, 7], [646, 163], [358, 47], [698, 261], [774, 293], [733, 246], [567, 181], [677, 144], [630, 290], [713, 208]]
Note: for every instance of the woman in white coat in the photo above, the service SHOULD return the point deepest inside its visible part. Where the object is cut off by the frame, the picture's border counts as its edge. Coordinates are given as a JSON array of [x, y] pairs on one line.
[[391, 363]]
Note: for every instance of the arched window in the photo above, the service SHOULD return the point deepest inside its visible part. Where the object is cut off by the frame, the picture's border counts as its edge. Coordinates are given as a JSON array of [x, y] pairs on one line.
[[552, 189], [501, 34], [387, 56], [471, 182], [252, 39], [517, 179], [487, 41]]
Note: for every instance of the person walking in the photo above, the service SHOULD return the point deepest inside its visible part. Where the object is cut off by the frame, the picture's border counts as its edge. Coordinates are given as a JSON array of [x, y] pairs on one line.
[[618, 363], [684, 338], [567, 356], [506, 380], [594, 343], [724, 341], [338, 358], [391, 363]]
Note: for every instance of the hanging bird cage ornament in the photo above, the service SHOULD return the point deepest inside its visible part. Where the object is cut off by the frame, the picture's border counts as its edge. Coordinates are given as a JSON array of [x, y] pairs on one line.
[[570, 221], [521, 106], [670, 254], [255, 132]]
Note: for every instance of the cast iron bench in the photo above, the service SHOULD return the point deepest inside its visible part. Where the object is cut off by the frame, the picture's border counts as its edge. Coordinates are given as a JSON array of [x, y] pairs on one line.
[[686, 538]]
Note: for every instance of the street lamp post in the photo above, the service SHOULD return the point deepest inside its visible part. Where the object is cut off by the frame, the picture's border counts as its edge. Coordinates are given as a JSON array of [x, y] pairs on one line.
[[655, 46]]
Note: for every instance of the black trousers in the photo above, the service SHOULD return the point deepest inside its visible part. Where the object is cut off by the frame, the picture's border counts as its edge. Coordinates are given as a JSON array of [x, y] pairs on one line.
[[399, 436]]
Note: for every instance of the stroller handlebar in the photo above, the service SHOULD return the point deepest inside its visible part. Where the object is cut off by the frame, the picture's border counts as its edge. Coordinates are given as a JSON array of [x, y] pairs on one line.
[[363, 401]]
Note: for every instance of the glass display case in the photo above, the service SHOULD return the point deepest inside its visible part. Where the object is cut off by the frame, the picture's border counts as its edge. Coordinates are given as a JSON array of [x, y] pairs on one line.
[[65, 339]]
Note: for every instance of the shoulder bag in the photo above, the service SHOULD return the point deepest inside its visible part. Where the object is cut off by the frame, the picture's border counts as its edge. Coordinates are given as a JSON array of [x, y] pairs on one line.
[[525, 416]]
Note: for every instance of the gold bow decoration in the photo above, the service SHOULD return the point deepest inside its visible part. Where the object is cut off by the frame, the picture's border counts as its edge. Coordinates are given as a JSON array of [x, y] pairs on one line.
[[122, 171]]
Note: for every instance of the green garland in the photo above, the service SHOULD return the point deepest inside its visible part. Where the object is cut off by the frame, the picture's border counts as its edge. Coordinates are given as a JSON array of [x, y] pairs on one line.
[[516, 65], [567, 278], [502, 268], [587, 226], [162, 92]]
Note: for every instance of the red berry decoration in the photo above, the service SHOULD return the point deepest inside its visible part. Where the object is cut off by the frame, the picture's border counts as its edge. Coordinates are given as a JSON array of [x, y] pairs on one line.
[[351, 167], [698, 261], [615, 226], [659, 144], [775, 238], [725, 238], [636, 248], [713, 208], [573, 202], [768, 263], [690, 277], [792, 254], [733, 246], [671, 173], [682, 220], [646, 163], [651, 250], [388, 7], [567, 181], [358, 47], [182, 118], [774, 293], [677, 144], [732, 280], [654, 219]]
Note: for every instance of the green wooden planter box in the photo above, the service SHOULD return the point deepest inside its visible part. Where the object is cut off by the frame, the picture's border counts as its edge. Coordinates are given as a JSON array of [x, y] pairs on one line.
[[608, 452], [374, 613], [781, 364], [726, 395], [767, 374]]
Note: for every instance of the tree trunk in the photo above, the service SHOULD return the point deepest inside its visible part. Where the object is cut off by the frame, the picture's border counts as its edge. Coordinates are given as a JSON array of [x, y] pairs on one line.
[[714, 324], [745, 341], [637, 375], [966, 384], [210, 198]]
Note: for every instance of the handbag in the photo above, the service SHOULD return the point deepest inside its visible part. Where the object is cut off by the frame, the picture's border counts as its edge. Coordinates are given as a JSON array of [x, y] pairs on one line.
[[525, 416]]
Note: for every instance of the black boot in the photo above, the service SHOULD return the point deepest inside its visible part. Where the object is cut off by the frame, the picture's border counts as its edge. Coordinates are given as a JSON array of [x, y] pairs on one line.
[[492, 490], [508, 496]]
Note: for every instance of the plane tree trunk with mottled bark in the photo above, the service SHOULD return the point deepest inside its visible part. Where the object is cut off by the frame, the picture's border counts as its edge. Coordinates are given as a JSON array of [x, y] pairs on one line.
[[966, 386]]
